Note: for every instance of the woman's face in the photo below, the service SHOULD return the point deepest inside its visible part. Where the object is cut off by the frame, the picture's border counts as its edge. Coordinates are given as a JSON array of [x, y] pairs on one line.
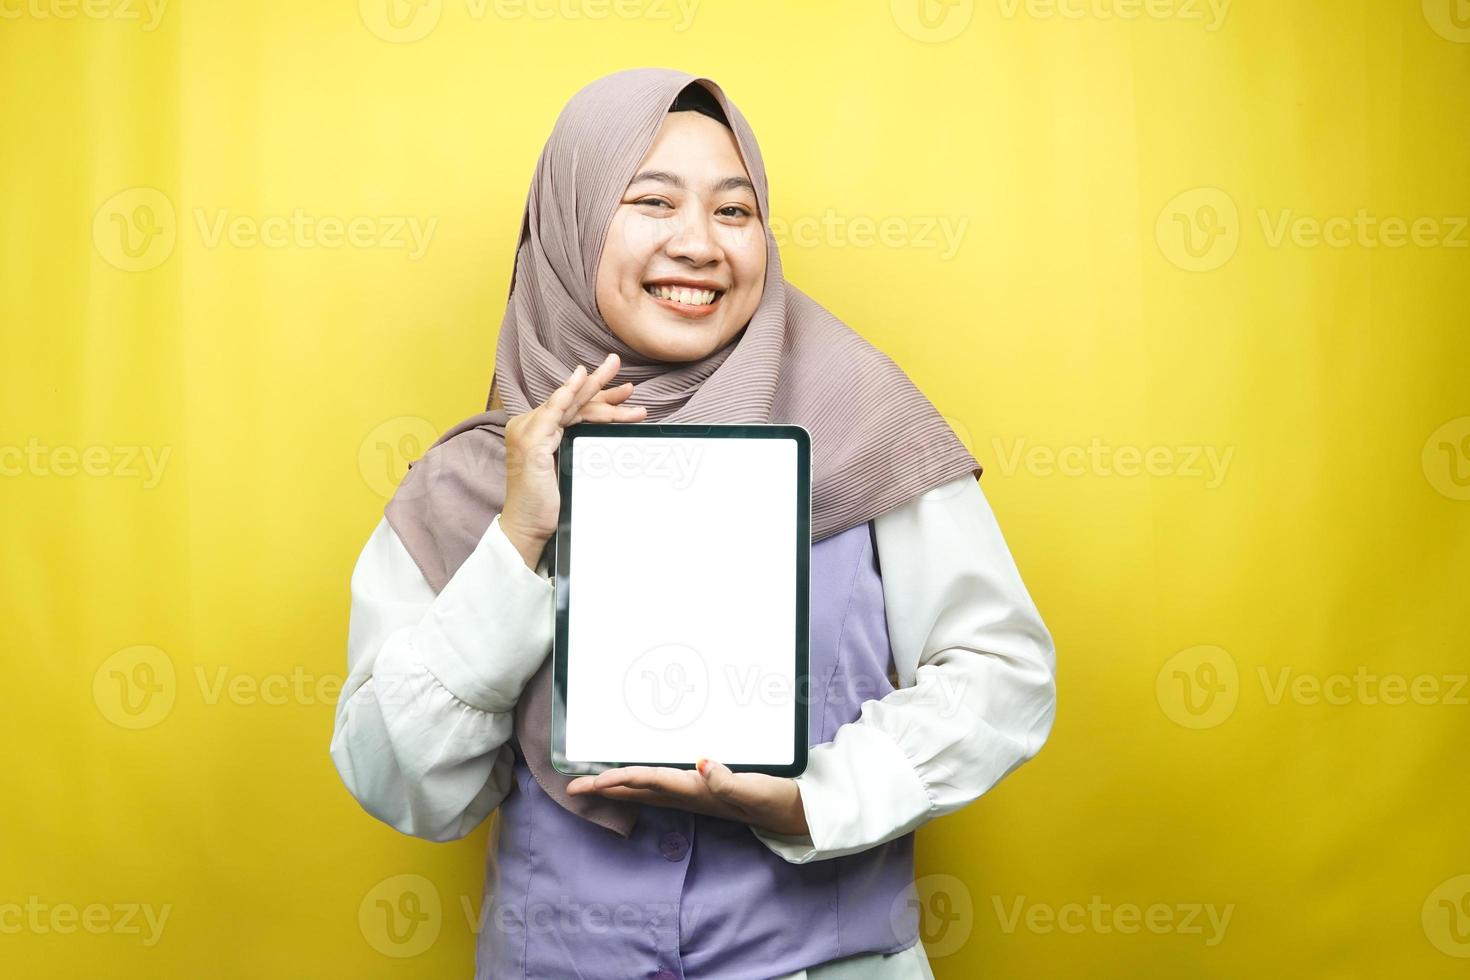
[[687, 227]]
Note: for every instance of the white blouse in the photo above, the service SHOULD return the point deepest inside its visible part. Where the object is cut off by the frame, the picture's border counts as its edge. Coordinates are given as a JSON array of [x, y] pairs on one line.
[[422, 729]]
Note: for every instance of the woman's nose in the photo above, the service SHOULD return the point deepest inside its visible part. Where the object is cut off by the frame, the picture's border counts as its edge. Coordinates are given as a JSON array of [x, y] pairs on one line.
[[693, 240]]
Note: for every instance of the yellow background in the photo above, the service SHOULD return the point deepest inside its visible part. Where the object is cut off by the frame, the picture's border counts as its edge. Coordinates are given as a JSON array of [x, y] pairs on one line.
[[1076, 147]]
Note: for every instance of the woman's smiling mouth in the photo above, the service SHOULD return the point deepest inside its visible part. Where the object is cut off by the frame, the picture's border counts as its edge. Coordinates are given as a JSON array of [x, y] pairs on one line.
[[688, 300]]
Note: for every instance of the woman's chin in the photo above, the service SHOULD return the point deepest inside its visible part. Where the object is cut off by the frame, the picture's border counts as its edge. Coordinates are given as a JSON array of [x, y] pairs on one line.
[[664, 335], [679, 343], [670, 337]]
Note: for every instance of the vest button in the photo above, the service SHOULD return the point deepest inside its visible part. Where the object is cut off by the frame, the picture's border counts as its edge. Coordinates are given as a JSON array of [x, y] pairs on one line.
[[673, 846]]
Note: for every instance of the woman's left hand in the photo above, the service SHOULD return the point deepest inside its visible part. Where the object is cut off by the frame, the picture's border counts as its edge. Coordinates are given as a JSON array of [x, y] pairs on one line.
[[770, 803]]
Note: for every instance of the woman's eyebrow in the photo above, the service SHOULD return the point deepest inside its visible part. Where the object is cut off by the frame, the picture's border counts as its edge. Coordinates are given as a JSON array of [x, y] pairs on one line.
[[664, 177]]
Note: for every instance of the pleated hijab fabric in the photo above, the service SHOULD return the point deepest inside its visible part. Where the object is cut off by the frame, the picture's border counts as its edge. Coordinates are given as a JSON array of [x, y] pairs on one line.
[[877, 441]]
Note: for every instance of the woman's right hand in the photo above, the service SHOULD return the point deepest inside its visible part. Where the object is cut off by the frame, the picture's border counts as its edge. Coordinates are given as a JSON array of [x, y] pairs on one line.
[[532, 496]]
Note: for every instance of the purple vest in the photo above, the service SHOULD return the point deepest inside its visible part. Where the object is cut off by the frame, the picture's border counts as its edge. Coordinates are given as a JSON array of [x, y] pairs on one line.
[[688, 895]]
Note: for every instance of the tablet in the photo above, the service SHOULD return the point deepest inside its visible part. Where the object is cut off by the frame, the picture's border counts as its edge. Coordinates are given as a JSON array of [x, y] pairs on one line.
[[682, 568]]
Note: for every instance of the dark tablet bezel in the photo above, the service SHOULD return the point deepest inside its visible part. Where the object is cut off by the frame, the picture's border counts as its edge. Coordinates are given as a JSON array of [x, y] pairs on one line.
[[561, 564]]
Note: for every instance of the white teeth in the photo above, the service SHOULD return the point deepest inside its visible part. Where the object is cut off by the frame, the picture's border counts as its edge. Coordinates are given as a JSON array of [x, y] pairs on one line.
[[682, 294]]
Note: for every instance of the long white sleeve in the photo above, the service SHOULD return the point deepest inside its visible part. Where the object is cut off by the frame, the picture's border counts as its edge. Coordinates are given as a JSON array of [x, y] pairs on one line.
[[976, 695], [422, 730]]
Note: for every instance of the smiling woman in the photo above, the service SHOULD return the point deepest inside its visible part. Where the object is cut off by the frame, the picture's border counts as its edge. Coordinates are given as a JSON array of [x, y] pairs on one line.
[[931, 670], [684, 263]]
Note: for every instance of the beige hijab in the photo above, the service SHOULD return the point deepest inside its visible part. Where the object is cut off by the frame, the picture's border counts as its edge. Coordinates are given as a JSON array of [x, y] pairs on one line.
[[877, 442]]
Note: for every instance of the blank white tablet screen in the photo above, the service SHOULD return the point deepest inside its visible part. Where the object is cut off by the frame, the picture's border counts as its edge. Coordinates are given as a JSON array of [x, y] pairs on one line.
[[681, 619]]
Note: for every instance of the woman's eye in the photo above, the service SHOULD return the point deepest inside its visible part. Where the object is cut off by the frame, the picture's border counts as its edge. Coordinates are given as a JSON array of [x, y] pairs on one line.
[[651, 200], [739, 212]]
